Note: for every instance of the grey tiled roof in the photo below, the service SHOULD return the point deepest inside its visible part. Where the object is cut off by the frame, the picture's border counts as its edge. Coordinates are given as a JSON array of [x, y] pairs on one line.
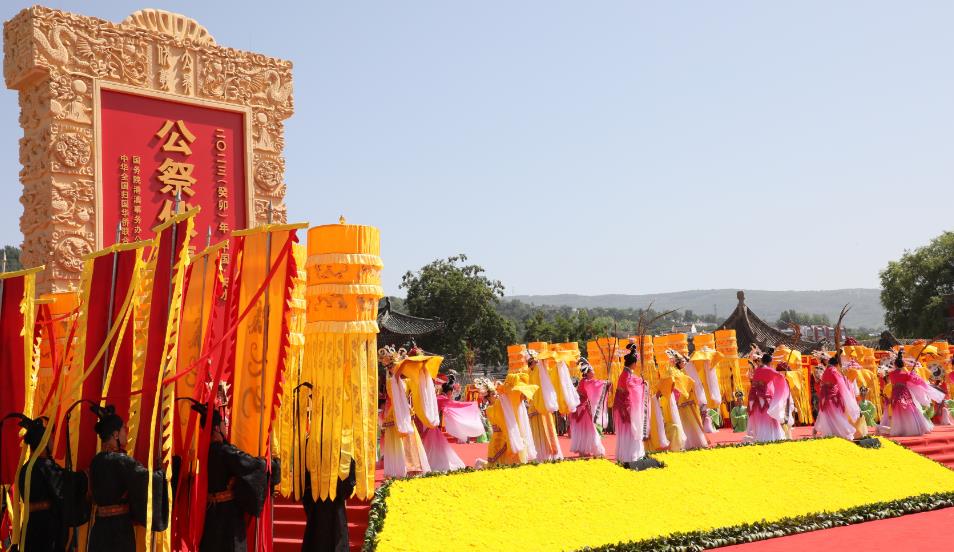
[[749, 329]]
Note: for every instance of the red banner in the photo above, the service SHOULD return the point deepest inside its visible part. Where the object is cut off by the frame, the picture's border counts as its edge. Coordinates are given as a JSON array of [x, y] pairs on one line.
[[12, 375], [153, 149], [105, 292]]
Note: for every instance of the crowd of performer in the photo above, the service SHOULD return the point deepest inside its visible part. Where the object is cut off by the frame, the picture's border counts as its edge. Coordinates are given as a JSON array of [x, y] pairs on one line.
[[521, 417]]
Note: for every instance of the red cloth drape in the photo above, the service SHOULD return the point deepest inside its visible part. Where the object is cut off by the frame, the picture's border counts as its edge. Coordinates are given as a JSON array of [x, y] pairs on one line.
[[12, 384], [97, 328], [156, 344]]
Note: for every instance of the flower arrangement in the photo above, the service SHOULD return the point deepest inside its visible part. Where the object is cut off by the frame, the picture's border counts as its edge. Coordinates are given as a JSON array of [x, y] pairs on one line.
[[701, 498]]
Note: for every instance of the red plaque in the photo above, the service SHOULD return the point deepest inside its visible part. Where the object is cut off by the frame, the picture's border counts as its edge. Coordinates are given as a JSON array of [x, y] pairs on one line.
[[154, 150]]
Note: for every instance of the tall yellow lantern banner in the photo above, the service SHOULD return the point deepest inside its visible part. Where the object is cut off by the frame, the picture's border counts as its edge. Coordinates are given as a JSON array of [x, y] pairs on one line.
[[341, 360], [262, 336]]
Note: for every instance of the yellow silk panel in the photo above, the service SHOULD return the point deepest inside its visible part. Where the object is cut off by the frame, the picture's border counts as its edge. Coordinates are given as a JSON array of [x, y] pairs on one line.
[[250, 415]]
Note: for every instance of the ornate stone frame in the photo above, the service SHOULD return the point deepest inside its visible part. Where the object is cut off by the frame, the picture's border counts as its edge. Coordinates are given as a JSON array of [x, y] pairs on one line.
[[60, 61]]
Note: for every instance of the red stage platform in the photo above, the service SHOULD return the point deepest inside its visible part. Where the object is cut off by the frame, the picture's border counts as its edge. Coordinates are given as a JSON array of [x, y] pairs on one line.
[[914, 532]]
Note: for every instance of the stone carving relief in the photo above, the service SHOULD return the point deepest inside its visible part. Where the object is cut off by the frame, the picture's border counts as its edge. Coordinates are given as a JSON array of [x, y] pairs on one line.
[[54, 58], [268, 175], [72, 203]]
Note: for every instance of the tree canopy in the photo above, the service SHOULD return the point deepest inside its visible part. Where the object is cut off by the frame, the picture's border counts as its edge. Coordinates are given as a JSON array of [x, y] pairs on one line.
[[13, 258], [793, 316], [465, 299], [913, 288]]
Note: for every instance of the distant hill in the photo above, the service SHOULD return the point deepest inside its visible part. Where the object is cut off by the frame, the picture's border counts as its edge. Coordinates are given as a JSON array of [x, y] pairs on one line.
[[866, 308]]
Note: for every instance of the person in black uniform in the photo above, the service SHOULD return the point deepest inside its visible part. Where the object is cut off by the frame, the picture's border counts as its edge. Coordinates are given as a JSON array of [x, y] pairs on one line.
[[119, 486], [46, 530], [237, 485], [326, 525]]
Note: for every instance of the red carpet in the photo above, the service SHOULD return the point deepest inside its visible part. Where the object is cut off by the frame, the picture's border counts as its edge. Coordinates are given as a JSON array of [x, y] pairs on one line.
[[926, 531]]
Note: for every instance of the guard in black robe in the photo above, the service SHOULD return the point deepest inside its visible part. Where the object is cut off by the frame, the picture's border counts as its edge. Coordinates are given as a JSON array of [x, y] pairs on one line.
[[237, 487], [119, 486], [46, 530], [326, 526]]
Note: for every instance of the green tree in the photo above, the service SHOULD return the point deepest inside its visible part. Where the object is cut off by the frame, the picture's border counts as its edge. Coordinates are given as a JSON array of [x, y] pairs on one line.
[[913, 288], [793, 316], [464, 298], [13, 258]]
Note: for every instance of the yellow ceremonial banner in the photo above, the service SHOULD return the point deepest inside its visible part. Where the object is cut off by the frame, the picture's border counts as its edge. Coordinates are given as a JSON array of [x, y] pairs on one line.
[[340, 359], [197, 302], [290, 435], [259, 347]]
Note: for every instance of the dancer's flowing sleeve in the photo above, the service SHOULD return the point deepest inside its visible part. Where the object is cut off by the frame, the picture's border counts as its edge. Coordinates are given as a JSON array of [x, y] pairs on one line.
[[676, 421], [592, 390], [715, 394], [637, 407], [852, 410], [514, 433], [402, 410], [692, 370], [570, 396], [660, 422], [922, 393], [548, 392], [524, 421], [427, 396], [621, 399], [778, 407], [462, 419]]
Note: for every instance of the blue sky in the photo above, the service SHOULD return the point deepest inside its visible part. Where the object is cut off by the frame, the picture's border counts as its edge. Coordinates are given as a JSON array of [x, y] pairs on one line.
[[605, 147]]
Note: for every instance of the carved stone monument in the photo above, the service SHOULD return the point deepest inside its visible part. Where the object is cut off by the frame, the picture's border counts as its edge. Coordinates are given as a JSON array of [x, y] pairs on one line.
[[125, 123]]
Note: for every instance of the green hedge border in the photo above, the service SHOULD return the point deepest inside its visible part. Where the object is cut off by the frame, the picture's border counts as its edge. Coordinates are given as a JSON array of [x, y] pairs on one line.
[[751, 532], [701, 540]]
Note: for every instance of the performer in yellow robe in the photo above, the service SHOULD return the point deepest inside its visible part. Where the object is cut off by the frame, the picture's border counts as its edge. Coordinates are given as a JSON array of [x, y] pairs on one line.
[[684, 417], [402, 447], [511, 440], [657, 424], [544, 403]]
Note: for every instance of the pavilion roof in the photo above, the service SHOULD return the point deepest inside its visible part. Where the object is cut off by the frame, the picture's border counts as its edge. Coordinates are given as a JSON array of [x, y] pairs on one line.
[[397, 328], [750, 329]]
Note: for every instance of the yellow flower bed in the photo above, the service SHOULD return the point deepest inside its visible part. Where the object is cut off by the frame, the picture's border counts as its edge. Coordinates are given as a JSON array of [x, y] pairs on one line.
[[571, 505]]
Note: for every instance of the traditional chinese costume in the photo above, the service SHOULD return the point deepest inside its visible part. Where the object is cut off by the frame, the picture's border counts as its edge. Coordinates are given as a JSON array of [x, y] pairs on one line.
[[119, 488], [238, 484], [838, 410], [740, 418], [629, 416], [770, 405], [544, 403], [402, 448], [909, 394], [584, 436], [512, 439], [462, 421], [326, 521], [683, 412]]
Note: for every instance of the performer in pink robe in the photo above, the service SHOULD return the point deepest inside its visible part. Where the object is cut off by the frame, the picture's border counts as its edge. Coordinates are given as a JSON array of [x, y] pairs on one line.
[[769, 403], [459, 419], [584, 438], [837, 407], [909, 394], [629, 411]]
